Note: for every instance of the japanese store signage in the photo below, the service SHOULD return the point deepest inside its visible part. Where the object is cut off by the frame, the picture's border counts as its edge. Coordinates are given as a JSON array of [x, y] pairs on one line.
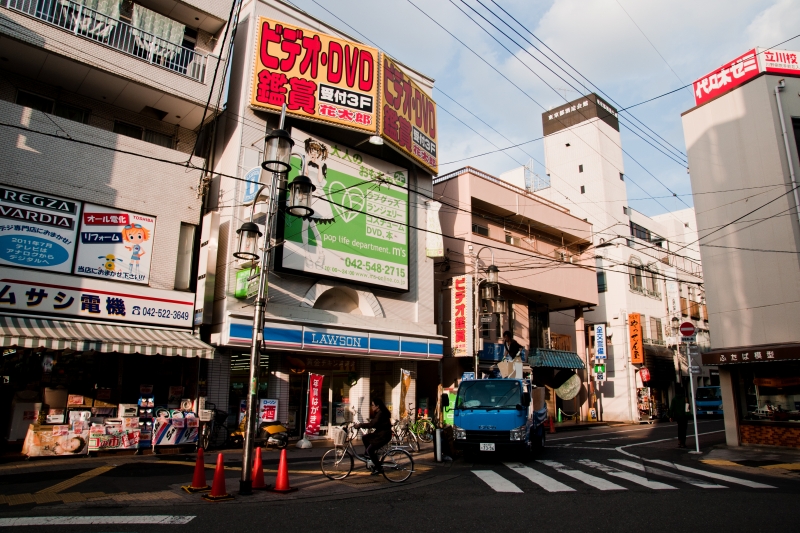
[[780, 61], [752, 355], [462, 317], [725, 78], [115, 244], [316, 75], [314, 404], [600, 341], [359, 229], [635, 333], [267, 410], [31, 292], [408, 116], [36, 230]]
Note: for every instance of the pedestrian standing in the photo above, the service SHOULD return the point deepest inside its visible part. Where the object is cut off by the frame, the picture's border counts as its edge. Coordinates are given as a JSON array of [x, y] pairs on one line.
[[679, 412]]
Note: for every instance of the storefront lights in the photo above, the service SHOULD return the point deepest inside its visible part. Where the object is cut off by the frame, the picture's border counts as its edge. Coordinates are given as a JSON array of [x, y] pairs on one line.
[[248, 242], [492, 274], [300, 190], [277, 152]]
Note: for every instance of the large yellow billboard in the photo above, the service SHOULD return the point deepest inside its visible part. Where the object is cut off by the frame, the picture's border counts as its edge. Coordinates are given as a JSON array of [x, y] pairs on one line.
[[316, 75]]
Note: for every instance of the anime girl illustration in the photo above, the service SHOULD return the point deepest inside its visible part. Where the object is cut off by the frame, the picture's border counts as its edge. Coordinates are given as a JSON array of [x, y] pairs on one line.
[[316, 153], [136, 235]]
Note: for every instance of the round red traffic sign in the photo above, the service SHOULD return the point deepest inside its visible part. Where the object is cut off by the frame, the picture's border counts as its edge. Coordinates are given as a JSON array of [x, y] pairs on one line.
[[687, 329]]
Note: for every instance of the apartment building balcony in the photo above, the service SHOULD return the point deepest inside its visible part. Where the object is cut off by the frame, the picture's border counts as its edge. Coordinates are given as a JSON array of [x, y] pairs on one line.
[[66, 42]]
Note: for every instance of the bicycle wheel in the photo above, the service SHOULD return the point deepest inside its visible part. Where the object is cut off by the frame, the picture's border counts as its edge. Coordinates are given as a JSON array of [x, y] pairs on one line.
[[337, 463], [426, 431], [397, 465], [413, 441], [205, 437], [219, 437]]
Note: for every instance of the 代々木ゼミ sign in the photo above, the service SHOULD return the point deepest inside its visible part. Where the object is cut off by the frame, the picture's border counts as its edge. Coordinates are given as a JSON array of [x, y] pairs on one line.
[[359, 228], [317, 76]]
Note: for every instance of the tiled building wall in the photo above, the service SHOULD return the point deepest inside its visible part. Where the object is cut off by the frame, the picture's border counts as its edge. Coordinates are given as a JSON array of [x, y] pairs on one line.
[[770, 435]]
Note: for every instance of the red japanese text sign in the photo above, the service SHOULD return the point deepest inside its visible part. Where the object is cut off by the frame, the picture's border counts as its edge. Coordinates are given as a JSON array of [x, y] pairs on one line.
[[637, 342], [314, 418], [316, 75], [462, 317], [408, 116], [780, 61], [725, 78]]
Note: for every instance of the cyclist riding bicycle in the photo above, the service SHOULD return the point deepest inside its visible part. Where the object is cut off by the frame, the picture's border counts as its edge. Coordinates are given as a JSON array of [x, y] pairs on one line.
[[382, 424]]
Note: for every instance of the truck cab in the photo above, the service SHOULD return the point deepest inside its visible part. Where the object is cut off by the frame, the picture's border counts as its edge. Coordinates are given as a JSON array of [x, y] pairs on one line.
[[708, 400], [499, 415]]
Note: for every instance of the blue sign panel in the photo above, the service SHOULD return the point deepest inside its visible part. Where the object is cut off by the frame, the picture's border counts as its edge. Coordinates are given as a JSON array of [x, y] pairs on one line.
[[251, 185]]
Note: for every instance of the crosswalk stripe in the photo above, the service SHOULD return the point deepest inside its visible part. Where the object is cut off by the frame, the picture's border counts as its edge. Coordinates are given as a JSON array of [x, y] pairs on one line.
[[596, 482], [639, 480], [496, 481], [721, 477], [669, 475], [547, 483]]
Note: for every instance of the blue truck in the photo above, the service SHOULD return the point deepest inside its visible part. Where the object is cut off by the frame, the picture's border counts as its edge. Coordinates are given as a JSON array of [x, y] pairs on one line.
[[708, 400], [499, 415]]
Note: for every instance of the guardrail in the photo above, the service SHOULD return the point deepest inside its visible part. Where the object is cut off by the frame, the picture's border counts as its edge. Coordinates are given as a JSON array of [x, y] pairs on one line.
[[114, 33]]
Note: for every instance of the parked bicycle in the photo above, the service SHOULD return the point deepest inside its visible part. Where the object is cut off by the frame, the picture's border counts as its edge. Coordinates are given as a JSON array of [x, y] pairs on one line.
[[337, 463], [215, 432], [424, 429], [403, 437]]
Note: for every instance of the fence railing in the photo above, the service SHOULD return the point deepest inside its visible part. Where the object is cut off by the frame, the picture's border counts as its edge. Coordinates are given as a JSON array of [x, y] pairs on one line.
[[114, 33]]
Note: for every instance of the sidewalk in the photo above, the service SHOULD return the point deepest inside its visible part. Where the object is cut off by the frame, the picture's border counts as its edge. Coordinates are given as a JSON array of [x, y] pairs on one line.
[[777, 459], [573, 426]]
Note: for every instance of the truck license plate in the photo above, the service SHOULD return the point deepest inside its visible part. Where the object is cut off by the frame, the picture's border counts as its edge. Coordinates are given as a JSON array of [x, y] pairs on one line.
[[487, 446]]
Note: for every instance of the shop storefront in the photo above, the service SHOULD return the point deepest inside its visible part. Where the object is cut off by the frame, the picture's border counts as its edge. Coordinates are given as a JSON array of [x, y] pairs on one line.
[[654, 379], [761, 393]]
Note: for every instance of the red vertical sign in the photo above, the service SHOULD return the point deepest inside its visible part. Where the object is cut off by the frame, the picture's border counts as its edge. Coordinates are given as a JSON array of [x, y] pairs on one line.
[[314, 404]]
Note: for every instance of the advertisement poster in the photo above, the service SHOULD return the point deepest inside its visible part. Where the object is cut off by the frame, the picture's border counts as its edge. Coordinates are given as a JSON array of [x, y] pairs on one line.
[[115, 434], [637, 346], [408, 118], [358, 231], [268, 410], [51, 441], [314, 418], [115, 244], [173, 431], [462, 317], [316, 75], [36, 230]]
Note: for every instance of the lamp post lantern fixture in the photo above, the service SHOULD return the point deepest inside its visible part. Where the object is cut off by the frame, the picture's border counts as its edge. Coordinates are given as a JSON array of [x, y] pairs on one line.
[[490, 292], [277, 156]]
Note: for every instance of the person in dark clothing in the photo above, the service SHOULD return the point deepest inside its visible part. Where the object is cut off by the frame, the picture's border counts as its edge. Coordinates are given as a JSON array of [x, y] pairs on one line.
[[512, 347], [679, 412], [381, 422]]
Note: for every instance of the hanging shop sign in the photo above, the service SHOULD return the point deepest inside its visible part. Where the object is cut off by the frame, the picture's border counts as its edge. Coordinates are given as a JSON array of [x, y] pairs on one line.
[[408, 116], [635, 335], [462, 317], [359, 229], [30, 292], [600, 341], [434, 243], [115, 244], [37, 231], [251, 184], [316, 75], [314, 404], [268, 410]]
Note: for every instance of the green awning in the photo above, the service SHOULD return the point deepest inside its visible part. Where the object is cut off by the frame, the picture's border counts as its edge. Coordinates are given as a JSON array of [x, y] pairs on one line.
[[542, 358]]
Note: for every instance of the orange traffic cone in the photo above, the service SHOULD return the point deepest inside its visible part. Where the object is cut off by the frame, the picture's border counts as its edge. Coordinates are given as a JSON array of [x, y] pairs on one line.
[[199, 483], [218, 490], [282, 480], [552, 427], [258, 473]]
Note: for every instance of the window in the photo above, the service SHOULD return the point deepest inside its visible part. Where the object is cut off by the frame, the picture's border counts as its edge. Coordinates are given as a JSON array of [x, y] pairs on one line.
[[624, 210], [509, 238], [183, 269], [567, 145], [34, 101], [167, 141], [71, 112], [656, 332], [602, 285], [480, 230], [640, 232], [128, 130], [635, 272], [583, 189], [580, 168], [621, 176]]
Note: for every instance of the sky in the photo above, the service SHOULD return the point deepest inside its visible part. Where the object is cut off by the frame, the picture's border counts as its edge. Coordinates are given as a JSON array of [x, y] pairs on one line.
[[631, 50]]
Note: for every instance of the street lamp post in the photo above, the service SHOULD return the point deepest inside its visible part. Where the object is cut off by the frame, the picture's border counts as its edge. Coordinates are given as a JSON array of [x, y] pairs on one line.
[[491, 292], [277, 155]]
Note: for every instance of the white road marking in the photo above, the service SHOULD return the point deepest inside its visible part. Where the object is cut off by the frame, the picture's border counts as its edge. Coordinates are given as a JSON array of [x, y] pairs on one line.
[[496, 481], [669, 475], [596, 482], [639, 480], [547, 483], [87, 520], [629, 454], [721, 477]]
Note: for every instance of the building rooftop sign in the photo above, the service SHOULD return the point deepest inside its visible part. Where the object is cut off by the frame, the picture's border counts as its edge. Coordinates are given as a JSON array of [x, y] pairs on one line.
[[580, 110]]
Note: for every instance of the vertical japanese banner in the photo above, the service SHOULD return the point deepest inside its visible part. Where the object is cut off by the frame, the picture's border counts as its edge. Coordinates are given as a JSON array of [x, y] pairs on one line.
[[314, 418], [408, 116], [316, 75], [462, 317], [635, 333], [405, 384], [600, 341]]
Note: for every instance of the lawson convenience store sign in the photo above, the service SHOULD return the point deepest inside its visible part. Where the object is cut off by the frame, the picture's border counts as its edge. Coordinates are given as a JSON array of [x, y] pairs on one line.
[[308, 338]]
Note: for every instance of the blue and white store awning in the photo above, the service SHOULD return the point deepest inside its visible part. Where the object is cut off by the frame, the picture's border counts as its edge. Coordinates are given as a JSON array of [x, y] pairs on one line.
[[319, 339]]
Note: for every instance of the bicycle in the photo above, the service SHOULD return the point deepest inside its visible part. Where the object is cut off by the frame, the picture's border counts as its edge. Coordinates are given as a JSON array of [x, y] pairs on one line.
[[424, 429], [402, 436], [215, 432], [337, 463]]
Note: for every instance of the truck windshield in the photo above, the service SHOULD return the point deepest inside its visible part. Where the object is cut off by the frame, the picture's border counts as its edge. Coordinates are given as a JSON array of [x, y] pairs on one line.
[[488, 394], [708, 394]]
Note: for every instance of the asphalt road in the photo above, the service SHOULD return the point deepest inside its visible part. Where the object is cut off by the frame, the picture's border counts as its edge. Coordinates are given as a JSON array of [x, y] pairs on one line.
[[624, 478]]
